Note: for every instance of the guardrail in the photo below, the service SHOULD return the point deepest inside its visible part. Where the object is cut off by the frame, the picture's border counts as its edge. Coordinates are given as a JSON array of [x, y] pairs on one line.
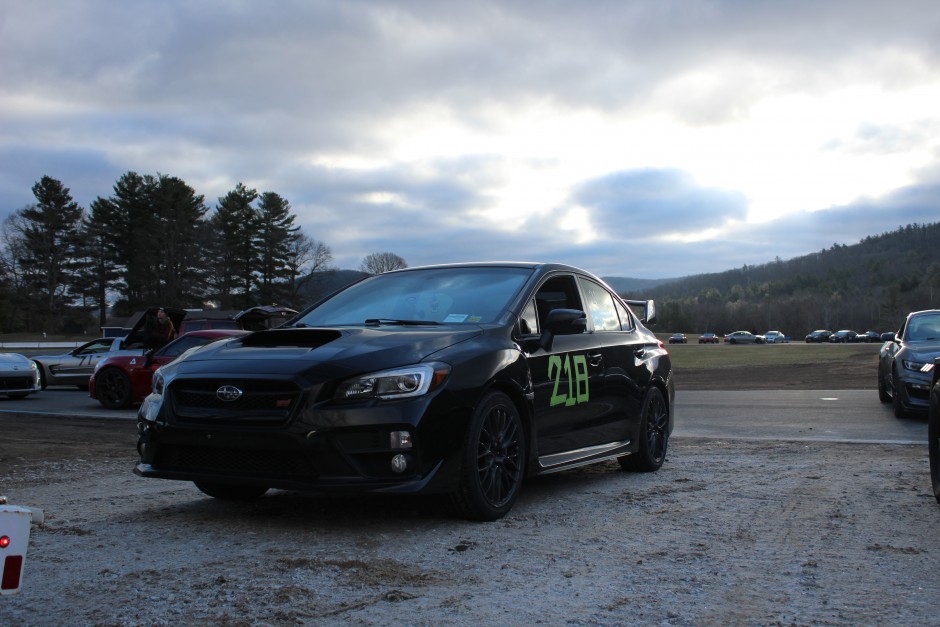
[[38, 345]]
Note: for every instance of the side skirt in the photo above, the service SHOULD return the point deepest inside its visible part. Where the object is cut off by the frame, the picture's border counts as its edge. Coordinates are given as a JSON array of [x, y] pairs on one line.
[[582, 457]]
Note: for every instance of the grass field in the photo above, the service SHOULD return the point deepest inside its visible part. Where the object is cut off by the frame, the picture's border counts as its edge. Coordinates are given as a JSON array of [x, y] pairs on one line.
[[726, 355]]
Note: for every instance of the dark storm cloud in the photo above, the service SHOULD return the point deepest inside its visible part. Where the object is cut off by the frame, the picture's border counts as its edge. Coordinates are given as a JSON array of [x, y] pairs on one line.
[[641, 203]]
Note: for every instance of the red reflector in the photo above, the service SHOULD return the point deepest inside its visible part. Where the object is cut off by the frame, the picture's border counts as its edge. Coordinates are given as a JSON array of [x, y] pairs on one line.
[[12, 567], [282, 403], [4, 542]]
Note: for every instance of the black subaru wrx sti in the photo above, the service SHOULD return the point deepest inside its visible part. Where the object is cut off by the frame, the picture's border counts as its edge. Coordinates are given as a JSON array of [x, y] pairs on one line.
[[458, 379]]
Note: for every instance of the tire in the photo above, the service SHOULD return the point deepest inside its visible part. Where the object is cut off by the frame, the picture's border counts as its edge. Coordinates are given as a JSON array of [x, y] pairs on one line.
[[933, 440], [42, 376], [653, 436], [113, 388], [883, 395], [230, 491], [493, 464], [899, 411]]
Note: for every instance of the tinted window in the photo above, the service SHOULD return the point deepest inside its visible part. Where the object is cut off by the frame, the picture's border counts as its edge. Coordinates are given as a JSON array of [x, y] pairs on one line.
[[445, 295], [600, 304], [529, 320], [626, 320]]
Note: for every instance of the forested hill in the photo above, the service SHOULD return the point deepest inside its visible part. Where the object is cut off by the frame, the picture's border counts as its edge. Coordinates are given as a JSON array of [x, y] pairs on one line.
[[869, 285]]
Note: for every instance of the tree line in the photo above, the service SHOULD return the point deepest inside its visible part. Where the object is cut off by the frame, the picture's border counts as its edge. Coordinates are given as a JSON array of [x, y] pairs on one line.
[[154, 240], [871, 285]]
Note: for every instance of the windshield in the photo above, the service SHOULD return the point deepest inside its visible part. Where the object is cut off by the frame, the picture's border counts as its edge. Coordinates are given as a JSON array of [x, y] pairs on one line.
[[436, 295], [924, 327]]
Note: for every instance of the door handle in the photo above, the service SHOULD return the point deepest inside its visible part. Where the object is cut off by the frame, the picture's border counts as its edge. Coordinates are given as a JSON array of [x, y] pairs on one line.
[[640, 353], [595, 359]]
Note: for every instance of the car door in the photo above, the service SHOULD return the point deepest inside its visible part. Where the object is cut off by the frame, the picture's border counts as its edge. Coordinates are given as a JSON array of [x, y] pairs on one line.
[[624, 371], [567, 374], [82, 361]]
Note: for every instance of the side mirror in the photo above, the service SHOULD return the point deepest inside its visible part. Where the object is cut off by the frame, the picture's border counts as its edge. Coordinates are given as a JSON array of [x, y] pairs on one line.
[[562, 322], [888, 337], [148, 358]]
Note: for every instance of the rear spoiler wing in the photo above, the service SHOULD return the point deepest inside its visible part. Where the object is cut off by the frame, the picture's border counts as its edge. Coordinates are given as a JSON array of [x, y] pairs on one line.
[[649, 310]]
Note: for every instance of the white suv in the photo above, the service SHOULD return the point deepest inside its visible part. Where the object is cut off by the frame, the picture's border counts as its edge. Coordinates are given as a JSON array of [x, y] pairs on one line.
[[775, 337]]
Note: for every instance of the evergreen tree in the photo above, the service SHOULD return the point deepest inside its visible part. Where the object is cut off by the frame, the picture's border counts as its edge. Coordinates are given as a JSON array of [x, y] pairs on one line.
[[276, 234], [235, 224], [50, 232], [176, 243]]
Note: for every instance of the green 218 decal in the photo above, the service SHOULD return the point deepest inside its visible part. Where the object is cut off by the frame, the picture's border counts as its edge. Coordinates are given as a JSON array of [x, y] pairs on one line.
[[575, 369]]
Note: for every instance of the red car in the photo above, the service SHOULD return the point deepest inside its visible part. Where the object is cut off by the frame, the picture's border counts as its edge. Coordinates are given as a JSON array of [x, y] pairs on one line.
[[709, 338], [121, 380]]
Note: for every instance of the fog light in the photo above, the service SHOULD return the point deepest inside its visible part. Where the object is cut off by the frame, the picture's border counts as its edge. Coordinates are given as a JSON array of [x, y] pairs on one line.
[[399, 463], [401, 440]]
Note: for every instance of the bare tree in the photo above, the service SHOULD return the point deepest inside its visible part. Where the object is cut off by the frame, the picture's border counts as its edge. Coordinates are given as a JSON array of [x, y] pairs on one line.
[[305, 258], [377, 263]]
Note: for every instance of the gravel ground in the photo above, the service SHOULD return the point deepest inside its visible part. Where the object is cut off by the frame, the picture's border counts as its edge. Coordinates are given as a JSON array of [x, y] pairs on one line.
[[728, 532]]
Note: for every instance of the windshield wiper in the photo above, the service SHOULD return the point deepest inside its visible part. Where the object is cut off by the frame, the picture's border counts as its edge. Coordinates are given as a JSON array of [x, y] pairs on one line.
[[374, 322]]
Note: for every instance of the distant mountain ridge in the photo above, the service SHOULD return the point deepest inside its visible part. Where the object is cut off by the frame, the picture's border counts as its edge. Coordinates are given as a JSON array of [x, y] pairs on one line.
[[869, 285]]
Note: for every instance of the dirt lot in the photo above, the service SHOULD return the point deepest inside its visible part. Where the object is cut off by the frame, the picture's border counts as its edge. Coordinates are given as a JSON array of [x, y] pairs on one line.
[[728, 532]]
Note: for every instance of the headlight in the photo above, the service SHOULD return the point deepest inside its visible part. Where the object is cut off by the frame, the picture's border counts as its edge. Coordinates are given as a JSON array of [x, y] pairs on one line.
[[404, 382], [917, 366], [158, 383]]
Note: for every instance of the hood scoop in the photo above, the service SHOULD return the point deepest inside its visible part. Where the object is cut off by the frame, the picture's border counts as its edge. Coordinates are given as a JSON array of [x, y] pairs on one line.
[[291, 338]]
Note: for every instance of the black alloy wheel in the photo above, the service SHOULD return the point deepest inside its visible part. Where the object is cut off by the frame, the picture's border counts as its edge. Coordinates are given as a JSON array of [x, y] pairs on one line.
[[230, 491], [493, 460], [653, 435], [113, 388], [933, 440]]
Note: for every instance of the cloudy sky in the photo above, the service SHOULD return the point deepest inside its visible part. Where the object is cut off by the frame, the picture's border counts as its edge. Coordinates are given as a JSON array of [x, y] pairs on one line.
[[650, 139]]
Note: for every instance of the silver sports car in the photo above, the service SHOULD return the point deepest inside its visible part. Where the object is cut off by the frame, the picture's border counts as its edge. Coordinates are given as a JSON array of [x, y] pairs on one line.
[[75, 366], [18, 375]]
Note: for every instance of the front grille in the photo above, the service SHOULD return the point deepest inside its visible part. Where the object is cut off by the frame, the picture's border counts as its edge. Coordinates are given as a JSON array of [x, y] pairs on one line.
[[262, 402], [16, 383], [236, 461]]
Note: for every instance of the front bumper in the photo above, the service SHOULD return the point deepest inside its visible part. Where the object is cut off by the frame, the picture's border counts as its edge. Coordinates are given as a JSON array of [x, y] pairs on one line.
[[913, 390], [325, 448]]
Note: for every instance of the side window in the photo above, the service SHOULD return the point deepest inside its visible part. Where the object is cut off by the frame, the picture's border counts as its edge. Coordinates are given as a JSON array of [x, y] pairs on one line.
[[626, 320], [529, 320], [600, 305], [559, 292]]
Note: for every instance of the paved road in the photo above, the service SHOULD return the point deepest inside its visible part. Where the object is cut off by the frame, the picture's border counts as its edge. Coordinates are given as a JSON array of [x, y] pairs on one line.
[[811, 415]]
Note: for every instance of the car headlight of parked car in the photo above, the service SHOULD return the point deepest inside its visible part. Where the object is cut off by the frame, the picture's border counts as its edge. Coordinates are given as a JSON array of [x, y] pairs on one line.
[[917, 366], [398, 383]]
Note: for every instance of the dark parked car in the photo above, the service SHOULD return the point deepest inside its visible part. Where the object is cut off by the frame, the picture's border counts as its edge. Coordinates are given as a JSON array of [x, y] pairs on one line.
[[933, 431], [843, 337], [458, 379], [120, 380], [744, 337], [678, 338], [709, 338], [869, 337], [906, 361], [820, 335]]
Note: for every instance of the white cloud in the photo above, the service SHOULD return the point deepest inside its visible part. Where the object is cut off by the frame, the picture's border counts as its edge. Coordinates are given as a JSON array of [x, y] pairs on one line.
[[454, 131]]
